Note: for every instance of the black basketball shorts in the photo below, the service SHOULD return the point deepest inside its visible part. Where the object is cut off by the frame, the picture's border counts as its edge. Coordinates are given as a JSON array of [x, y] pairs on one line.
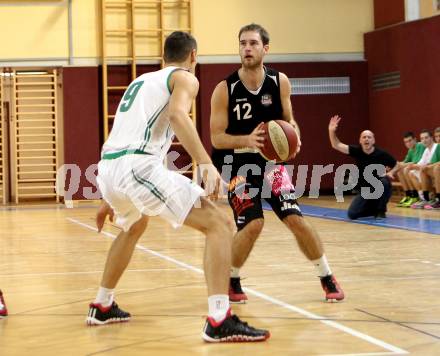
[[274, 186]]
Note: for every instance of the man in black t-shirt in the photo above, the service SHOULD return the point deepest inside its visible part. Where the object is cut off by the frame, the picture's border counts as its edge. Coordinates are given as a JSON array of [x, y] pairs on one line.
[[240, 104], [373, 164]]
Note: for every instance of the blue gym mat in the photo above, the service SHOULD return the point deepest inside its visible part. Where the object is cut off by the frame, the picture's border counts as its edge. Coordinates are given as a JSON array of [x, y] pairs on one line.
[[392, 221]]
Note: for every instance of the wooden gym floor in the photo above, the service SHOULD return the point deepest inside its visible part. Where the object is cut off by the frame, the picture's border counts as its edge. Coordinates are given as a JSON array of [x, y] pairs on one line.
[[51, 261]]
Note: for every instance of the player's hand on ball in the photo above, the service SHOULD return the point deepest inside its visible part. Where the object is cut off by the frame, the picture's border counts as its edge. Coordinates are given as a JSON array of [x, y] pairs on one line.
[[256, 138], [298, 148], [334, 122]]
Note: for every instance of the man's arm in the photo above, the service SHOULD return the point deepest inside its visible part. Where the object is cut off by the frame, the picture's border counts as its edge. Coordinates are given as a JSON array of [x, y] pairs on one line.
[[219, 123], [394, 165], [285, 91], [184, 87], [334, 140]]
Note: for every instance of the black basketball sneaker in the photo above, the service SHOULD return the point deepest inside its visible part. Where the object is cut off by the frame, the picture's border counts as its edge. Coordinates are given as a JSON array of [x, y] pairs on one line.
[[236, 294], [333, 292], [99, 315], [232, 329]]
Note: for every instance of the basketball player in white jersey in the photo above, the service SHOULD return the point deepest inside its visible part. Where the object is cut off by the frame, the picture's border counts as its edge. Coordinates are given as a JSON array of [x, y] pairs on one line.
[[135, 184], [239, 105]]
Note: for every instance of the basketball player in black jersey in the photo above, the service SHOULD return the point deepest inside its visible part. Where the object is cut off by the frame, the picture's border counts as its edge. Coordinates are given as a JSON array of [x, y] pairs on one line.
[[239, 106]]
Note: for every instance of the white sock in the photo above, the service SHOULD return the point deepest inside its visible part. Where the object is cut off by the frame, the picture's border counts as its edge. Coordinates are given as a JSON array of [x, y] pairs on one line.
[[1, 305], [322, 266], [105, 296], [421, 195], [218, 306], [235, 272]]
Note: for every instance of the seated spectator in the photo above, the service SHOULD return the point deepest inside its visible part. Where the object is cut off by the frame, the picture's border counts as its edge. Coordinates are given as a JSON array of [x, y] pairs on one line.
[[430, 175], [415, 152], [413, 170], [366, 154], [437, 135]]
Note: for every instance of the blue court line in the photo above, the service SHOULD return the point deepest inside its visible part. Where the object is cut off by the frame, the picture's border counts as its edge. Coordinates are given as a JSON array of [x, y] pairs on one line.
[[392, 221]]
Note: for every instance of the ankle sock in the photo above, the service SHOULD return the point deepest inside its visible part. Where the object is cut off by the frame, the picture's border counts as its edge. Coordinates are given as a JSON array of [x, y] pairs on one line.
[[322, 267], [104, 297], [218, 306]]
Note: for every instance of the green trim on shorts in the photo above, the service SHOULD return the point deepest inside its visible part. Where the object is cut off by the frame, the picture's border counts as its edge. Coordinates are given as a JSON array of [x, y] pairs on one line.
[[118, 154], [151, 187]]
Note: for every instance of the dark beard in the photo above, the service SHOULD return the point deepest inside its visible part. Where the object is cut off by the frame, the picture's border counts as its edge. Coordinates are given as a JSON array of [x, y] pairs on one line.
[[254, 65]]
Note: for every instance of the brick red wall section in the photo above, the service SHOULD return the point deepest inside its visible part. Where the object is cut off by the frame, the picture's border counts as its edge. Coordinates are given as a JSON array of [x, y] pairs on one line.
[[82, 119], [388, 12], [413, 49]]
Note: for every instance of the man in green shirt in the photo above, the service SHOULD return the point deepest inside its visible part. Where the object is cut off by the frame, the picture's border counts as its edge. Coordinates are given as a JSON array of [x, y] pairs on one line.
[[437, 135], [430, 175], [415, 152]]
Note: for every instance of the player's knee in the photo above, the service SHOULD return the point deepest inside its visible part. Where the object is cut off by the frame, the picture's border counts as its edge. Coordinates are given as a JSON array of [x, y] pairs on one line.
[[137, 229], [217, 221], [254, 227], [296, 223]]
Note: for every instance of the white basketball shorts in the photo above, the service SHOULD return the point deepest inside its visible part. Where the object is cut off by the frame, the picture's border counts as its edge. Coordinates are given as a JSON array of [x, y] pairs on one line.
[[136, 185]]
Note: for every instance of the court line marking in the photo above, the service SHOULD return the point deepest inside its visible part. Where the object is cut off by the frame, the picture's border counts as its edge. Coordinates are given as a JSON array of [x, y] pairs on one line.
[[364, 354], [394, 349], [14, 275]]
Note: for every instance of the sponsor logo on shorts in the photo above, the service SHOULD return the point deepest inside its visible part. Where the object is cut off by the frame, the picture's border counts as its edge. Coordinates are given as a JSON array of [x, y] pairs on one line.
[[290, 206], [287, 196], [240, 204], [279, 180], [236, 181]]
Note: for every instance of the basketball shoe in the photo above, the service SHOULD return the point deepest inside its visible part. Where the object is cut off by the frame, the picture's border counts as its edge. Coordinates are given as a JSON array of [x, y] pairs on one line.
[[3, 309], [232, 329], [99, 315], [403, 201], [236, 294], [333, 292]]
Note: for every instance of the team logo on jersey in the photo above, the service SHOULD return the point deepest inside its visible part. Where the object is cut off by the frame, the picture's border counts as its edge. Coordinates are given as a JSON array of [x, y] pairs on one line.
[[266, 100], [240, 100]]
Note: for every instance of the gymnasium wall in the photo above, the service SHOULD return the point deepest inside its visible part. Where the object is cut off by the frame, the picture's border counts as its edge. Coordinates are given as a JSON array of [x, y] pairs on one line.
[[300, 30], [390, 12], [413, 49], [296, 26]]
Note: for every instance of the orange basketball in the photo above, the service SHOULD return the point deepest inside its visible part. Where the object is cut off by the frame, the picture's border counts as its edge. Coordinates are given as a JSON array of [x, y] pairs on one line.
[[280, 142]]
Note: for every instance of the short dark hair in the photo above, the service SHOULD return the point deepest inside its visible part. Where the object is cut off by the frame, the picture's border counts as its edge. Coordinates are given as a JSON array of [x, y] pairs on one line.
[[256, 28], [409, 134], [178, 46], [426, 131], [437, 129]]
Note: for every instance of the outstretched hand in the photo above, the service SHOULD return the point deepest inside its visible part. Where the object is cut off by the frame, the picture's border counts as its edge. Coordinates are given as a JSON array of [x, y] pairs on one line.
[[334, 122], [102, 213], [211, 180]]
